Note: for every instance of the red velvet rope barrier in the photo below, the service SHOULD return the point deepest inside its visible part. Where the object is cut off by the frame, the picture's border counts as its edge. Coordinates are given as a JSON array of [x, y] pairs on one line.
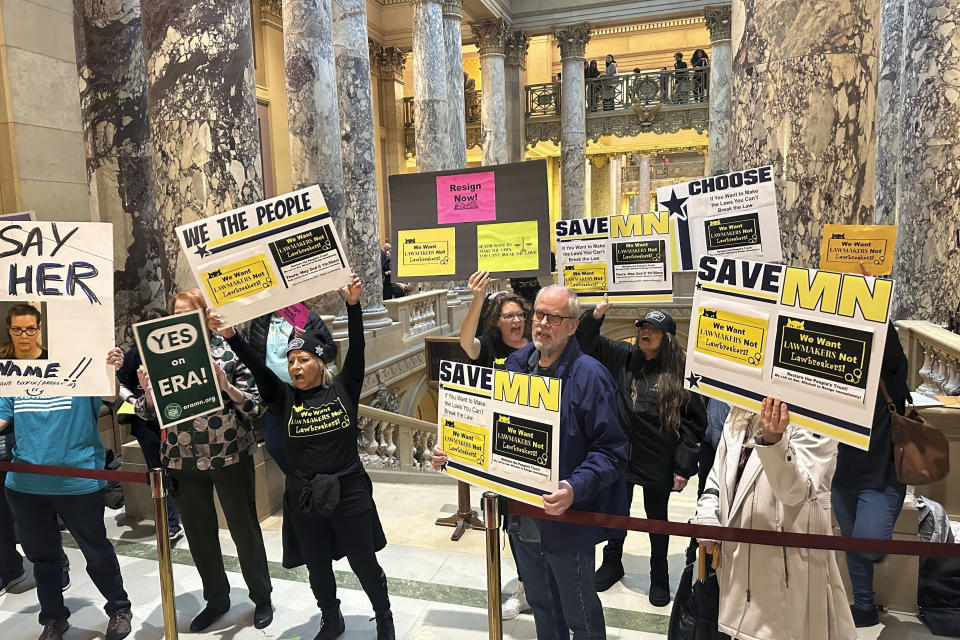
[[73, 472], [751, 536]]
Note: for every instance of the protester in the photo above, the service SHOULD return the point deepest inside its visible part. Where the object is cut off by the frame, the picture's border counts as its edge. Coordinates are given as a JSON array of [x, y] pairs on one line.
[[269, 336], [215, 451], [866, 494], [664, 423], [557, 559], [23, 329], [328, 507], [386, 271], [62, 431], [508, 328], [609, 90], [774, 476], [147, 432]]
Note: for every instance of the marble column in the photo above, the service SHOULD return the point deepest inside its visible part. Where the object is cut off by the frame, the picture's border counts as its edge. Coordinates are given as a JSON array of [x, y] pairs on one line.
[[390, 61], [491, 42], [456, 111], [718, 24], [889, 112], [361, 219], [927, 267], [202, 110], [572, 41], [113, 104], [599, 185], [515, 70], [615, 185], [430, 108], [805, 77], [643, 200]]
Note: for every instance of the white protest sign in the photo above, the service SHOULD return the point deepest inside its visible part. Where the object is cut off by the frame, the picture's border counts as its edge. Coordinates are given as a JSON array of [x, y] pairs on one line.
[[814, 339], [732, 215], [500, 429], [65, 270], [266, 256], [627, 257]]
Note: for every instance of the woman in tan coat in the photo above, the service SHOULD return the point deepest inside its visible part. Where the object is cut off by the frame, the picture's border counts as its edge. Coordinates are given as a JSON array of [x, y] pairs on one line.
[[769, 474]]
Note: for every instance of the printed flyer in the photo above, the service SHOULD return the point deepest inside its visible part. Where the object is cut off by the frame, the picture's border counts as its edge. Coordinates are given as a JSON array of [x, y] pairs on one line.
[[63, 273], [266, 256], [731, 215], [812, 338], [851, 248], [500, 429], [627, 257]]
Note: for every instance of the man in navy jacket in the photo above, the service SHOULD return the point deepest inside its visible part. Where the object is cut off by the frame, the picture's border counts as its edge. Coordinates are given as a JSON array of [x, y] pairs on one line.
[[557, 559]]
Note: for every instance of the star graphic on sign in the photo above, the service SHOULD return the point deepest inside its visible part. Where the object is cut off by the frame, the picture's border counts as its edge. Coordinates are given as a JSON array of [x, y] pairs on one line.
[[699, 286], [202, 250], [694, 380], [675, 205]]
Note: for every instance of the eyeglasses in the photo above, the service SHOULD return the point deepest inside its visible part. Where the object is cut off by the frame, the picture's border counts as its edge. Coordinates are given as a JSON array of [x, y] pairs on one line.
[[30, 331], [510, 317], [552, 318]]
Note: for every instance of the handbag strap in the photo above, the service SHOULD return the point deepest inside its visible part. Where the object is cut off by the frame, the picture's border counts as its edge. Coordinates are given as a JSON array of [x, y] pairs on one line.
[[886, 396]]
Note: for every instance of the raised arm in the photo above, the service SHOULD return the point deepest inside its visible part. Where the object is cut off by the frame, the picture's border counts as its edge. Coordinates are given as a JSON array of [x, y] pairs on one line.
[[468, 330], [354, 362], [270, 387]]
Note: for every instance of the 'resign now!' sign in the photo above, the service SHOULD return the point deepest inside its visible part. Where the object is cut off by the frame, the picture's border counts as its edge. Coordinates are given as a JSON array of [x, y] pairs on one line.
[[176, 353]]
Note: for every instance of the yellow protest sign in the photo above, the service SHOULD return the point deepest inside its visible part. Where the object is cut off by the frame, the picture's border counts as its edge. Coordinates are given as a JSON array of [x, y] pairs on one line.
[[508, 246], [585, 276], [426, 252], [731, 336], [239, 279], [464, 442], [845, 247]]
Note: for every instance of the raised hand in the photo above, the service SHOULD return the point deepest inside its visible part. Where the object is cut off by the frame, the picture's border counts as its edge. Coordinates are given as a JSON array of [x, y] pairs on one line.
[[774, 418], [351, 291], [215, 324], [478, 283], [439, 459], [602, 307], [144, 379], [115, 358]]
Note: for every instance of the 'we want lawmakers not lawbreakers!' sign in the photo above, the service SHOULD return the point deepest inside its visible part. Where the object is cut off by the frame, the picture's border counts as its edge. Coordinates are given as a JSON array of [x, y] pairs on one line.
[[65, 269], [500, 429], [812, 338], [625, 256], [176, 353], [853, 248], [448, 224], [266, 256], [732, 215]]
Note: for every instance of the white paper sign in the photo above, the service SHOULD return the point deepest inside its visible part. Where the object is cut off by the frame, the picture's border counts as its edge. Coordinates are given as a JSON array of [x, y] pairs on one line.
[[628, 257], [814, 339], [65, 269], [266, 256], [731, 215], [500, 429]]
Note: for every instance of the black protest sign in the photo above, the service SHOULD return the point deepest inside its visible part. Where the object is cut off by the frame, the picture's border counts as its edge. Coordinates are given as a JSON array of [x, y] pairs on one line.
[[522, 439], [176, 353]]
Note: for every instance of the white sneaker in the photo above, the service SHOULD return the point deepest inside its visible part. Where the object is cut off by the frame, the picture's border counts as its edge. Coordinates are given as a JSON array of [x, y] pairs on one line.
[[515, 604]]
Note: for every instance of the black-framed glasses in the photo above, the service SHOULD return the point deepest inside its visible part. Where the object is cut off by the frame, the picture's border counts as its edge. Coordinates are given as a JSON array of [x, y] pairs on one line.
[[30, 331], [552, 318], [510, 317]]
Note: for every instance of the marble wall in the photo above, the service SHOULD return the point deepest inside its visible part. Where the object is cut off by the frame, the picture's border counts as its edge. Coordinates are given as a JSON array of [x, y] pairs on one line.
[[113, 101], [889, 112], [203, 118], [804, 81], [456, 114]]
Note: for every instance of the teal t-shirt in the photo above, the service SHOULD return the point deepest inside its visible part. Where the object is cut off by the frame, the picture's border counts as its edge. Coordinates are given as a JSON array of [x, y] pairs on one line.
[[59, 431]]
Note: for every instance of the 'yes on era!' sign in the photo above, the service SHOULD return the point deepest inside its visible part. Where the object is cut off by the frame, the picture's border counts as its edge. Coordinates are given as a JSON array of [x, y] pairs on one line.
[[814, 339], [176, 353]]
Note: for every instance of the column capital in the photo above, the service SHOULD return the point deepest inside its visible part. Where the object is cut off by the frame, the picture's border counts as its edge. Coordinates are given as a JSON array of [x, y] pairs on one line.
[[416, 2], [271, 10], [572, 39], [718, 22], [491, 36], [516, 48], [389, 62], [374, 50], [453, 9]]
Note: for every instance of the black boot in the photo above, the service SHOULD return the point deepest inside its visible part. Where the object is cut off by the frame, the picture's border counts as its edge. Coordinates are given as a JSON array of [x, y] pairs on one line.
[[331, 624], [611, 570], [385, 630]]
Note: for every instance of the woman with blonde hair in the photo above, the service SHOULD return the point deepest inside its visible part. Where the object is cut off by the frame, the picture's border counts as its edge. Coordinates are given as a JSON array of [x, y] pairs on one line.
[[772, 475]]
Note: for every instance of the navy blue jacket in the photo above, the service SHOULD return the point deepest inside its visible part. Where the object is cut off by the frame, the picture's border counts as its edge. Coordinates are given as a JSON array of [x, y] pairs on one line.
[[593, 449]]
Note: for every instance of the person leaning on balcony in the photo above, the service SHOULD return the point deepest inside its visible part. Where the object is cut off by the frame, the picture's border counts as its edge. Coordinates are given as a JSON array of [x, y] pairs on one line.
[[593, 93], [328, 507], [609, 89], [774, 476], [698, 61]]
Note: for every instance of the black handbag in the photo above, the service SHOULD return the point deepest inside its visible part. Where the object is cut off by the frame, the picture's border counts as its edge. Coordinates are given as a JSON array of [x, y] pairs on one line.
[[696, 606]]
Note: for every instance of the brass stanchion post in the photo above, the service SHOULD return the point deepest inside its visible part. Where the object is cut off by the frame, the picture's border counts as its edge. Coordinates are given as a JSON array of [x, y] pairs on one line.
[[159, 493], [491, 522]]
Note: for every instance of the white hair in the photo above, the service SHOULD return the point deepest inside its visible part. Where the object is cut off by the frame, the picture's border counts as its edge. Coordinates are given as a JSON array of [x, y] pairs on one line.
[[573, 302]]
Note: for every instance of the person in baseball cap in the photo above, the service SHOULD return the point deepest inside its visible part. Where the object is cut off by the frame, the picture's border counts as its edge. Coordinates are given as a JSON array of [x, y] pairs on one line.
[[659, 319]]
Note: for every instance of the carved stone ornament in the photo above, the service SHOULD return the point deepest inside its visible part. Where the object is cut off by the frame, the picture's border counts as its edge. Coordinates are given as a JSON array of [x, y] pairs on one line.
[[272, 10], [390, 61], [516, 49], [624, 125], [599, 160], [491, 37], [572, 40], [453, 9], [718, 22]]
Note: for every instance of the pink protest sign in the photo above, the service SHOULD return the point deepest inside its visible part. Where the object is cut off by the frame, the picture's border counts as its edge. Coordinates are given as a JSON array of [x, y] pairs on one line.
[[467, 197], [296, 314]]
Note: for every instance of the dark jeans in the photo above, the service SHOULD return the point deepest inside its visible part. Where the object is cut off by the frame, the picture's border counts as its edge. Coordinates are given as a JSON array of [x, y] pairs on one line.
[[866, 513], [655, 502], [193, 492], [149, 440], [11, 562], [36, 516], [559, 588], [273, 437], [704, 464]]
